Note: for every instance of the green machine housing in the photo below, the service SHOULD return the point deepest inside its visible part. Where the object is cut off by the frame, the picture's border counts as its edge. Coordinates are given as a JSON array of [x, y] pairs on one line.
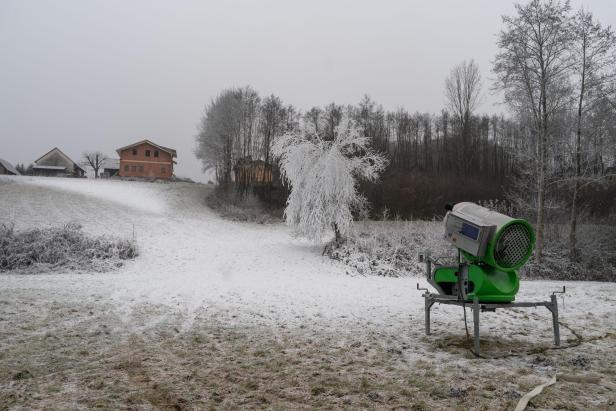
[[492, 247]]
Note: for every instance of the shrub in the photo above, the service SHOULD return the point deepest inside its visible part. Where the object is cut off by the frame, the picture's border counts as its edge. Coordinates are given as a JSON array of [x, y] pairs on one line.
[[65, 248]]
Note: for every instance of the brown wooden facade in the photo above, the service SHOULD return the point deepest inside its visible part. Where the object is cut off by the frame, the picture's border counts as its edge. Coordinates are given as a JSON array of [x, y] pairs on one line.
[[248, 171]]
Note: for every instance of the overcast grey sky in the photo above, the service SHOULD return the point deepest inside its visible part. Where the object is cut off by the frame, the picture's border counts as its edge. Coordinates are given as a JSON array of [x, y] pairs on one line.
[[87, 75]]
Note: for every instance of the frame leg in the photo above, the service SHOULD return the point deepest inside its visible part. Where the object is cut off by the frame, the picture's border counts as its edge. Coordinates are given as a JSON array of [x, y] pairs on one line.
[[428, 303], [555, 325], [476, 325]]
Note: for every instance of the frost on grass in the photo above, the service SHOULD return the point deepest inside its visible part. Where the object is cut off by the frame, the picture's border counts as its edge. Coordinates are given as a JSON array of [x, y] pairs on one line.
[[65, 248], [596, 260], [390, 248]]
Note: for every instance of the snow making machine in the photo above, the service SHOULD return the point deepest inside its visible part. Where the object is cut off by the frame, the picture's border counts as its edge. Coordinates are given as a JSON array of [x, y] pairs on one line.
[[491, 248]]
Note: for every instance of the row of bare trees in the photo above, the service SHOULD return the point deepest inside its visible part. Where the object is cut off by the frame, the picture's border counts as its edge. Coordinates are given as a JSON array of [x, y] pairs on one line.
[[557, 70], [239, 126]]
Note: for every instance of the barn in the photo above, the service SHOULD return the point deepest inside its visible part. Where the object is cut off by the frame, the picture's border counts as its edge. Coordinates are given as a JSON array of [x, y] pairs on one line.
[[249, 171], [7, 168], [146, 159], [56, 163], [111, 167]]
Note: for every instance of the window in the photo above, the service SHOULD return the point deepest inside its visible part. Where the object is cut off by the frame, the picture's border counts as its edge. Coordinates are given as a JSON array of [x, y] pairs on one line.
[[155, 153], [133, 168], [147, 153], [141, 169], [126, 167], [134, 151]]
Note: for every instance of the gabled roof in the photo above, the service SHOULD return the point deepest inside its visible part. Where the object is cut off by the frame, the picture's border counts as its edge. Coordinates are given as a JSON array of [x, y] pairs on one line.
[[62, 154], [138, 143], [9, 167]]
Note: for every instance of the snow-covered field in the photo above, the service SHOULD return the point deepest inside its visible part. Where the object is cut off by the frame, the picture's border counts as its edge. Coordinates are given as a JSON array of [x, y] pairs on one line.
[[222, 314]]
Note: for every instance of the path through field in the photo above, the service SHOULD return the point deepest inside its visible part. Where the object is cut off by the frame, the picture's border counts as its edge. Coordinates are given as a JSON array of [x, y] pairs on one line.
[[222, 314]]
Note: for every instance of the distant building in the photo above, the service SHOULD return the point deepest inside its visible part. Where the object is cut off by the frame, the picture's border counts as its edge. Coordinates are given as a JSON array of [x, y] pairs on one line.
[[56, 163], [146, 159], [7, 168], [110, 167]]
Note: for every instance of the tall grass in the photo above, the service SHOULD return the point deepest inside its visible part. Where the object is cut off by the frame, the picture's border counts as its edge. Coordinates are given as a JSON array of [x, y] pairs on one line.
[[390, 248]]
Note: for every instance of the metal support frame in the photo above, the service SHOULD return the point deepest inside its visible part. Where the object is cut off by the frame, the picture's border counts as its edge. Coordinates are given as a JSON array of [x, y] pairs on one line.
[[477, 307]]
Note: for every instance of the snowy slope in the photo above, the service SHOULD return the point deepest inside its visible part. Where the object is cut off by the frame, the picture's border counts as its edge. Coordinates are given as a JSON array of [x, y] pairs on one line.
[[144, 197], [191, 259]]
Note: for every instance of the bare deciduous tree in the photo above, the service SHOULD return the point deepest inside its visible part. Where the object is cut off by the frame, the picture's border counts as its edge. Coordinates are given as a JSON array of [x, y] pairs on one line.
[[219, 129], [236, 132], [95, 160], [532, 68], [594, 61], [462, 90]]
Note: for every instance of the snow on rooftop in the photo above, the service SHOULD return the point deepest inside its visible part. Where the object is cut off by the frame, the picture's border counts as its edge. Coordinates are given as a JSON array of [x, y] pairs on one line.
[[9, 166], [44, 167]]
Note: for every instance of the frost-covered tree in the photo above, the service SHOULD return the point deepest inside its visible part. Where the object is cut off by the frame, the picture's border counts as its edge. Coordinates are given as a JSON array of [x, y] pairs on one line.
[[219, 129], [532, 68], [324, 175], [594, 56], [236, 133]]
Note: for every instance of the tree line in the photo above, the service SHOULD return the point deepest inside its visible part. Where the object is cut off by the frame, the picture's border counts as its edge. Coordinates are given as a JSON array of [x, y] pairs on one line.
[[557, 69], [239, 125]]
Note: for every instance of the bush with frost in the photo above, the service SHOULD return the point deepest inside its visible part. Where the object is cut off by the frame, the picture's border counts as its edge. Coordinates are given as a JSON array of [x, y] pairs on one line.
[[65, 248]]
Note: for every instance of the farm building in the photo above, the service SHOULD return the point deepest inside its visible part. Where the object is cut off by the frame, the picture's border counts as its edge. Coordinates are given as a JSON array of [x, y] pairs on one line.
[[111, 167], [248, 171], [56, 163], [7, 168], [147, 160]]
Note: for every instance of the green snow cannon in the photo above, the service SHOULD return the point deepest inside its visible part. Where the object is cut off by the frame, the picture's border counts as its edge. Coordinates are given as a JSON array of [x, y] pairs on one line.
[[492, 247]]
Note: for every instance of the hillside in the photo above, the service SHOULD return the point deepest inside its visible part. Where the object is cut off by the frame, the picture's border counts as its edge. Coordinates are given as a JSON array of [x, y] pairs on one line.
[[219, 313]]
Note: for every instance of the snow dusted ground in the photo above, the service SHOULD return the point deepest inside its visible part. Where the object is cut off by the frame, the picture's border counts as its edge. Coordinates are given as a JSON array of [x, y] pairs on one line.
[[222, 314]]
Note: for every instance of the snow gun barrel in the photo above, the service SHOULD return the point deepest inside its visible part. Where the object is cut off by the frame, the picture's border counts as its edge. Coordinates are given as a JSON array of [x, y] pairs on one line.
[[503, 242], [493, 246]]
